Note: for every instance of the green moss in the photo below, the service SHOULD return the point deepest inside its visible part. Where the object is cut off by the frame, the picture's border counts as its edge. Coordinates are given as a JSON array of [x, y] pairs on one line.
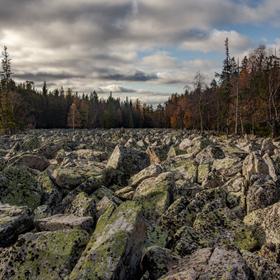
[[20, 188], [45, 182], [108, 244], [203, 171], [46, 255], [156, 235], [245, 239]]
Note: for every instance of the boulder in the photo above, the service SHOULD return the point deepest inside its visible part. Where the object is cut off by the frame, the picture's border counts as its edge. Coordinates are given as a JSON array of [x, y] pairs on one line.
[[155, 195], [50, 149], [261, 268], [19, 187], [268, 147], [70, 177], [186, 143], [30, 160], [129, 160], [210, 263], [157, 261], [157, 154], [151, 171], [51, 194], [81, 206], [115, 248], [61, 222], [272, 170], [262, 193], [254, 164], [267, 220], [210, 153], [14, 220], [43, 255], [125, 193]]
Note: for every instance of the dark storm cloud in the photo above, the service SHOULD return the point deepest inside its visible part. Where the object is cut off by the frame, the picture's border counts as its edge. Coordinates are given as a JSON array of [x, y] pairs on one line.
[[43, 76], [138, 76]]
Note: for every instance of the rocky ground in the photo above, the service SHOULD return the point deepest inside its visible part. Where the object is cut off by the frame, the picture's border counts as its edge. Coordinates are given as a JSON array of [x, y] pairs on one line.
[[138, 204]]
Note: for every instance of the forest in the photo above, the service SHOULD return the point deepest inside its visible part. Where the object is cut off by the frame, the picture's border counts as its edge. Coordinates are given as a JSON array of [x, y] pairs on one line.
[[244, 98]]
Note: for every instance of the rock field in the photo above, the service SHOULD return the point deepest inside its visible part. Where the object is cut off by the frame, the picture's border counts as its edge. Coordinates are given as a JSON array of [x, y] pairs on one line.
[[138, 204]]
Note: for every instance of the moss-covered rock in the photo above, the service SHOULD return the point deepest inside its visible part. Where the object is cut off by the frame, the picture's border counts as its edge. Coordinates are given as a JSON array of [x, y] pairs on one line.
[[19, 187], [32, 161], [157, 261], [208, 263], [115, 248], [51, 194], [128, 160], [82, 205], [267, 221], [155, 195], [14, 220], [261, 267], [59, 222], [44, 255]]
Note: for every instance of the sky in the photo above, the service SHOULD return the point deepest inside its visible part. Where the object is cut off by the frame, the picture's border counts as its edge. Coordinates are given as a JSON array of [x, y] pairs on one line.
[[146, 49]]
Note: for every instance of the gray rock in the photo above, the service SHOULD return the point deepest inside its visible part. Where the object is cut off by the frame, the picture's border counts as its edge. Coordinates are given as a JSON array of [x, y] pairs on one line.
[[30, 160], [157, 261], [128, 160], [115, 248], [262, 193], [13, 221], [61, 222], [210, 263], [43, 255]]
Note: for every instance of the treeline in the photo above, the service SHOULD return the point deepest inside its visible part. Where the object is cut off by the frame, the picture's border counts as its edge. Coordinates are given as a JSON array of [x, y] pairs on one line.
[[243, 98]]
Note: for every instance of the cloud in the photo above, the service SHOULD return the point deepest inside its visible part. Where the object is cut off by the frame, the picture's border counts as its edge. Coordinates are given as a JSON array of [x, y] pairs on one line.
[[115, 89], [88, 44], [138, 76], [215, 42], [44, 76]]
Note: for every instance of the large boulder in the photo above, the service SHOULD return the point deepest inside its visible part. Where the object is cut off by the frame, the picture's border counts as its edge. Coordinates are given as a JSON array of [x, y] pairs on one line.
[[19, 187], [115, 248], [261, 268], [50, 149], [262, 193], [30, 160], [157, 154], [60, 222], [82, 205], [272, 169], [210, 263], [129, 160], [43, 255], [151, 171], [210, 153], [155, 194], [157, 261], [70, 177], [267, 220], [254, 164], [13, 221], [268, 147], [185, 144]]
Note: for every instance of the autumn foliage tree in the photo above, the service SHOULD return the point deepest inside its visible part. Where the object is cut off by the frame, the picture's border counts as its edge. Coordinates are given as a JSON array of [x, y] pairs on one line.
[[74, 116]]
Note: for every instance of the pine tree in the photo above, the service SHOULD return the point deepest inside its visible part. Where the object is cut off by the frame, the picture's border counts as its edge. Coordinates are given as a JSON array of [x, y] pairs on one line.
[[6, 73], [44, 89], [7, 119]]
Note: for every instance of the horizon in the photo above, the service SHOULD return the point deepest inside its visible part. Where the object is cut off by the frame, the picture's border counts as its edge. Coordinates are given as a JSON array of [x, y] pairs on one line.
[[131, 48]]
